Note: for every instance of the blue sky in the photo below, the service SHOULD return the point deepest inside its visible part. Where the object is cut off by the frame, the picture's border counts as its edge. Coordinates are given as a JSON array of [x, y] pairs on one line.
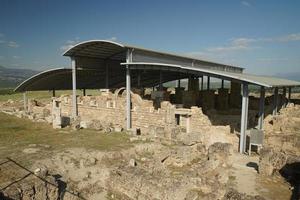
[[261, 36]]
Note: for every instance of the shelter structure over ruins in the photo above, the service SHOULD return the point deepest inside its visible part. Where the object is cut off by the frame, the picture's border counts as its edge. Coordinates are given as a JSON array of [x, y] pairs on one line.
[[101, 64]]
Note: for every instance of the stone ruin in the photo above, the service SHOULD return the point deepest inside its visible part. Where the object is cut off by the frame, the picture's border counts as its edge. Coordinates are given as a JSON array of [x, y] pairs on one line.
[[204, 134], [145, 171], [171, 114], [159, 114], [281, 152]]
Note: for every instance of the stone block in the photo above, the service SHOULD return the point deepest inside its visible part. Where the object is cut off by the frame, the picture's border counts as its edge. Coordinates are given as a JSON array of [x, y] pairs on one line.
[[56, 114]]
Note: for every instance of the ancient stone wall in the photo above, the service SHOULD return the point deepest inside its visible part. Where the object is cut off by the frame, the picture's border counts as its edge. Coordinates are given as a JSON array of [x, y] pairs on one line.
[[110, 108], [198, 120], [106, 112]]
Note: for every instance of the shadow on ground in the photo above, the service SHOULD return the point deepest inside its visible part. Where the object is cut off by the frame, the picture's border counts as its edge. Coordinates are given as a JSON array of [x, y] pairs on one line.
[[11, 169], [291, 172]]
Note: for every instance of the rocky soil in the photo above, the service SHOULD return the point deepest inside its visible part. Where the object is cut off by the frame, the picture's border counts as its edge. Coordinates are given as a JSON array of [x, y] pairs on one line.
[[195, 166], [148, 170]]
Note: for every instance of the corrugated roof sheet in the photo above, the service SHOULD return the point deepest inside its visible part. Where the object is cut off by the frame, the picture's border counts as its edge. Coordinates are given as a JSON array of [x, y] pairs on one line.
[[265, 81], [105, 49]]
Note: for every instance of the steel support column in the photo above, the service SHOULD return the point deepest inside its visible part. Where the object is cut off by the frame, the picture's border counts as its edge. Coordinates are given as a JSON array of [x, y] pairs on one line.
[[189, 82], [289, 95], [244, 118], [275, 103], [25, 100], [178, 83], [74, 98], [222, 84], [83, 91], [128, 89], [202, 83], [53, 93], [284, 97], [208, 83], [261, 112], [160, 80], [106, 76], [128, 100], [139, 79]]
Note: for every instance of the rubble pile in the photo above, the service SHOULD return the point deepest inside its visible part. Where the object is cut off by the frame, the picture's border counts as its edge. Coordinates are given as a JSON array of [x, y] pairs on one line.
[[40, 112], [235, 195], [145, 171], [282, 132], [281, 154], [180, 172], [271, 161], [39, 185], [36, 111]]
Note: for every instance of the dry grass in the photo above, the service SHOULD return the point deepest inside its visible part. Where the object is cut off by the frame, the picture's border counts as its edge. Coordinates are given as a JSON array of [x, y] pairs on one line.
[[19, 134]]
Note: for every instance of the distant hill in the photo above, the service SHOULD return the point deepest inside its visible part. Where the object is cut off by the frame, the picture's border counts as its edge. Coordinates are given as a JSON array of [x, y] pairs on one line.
[[10, 77], [291, 76]]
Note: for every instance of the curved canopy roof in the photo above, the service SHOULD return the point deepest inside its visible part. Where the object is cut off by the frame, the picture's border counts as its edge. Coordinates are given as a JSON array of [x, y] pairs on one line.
[[61, 79], [100, 49], [109, 50], [47, 80], [98, 59]]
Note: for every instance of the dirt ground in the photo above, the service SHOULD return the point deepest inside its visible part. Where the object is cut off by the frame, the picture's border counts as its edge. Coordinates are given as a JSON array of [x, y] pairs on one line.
[[248, 181]]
